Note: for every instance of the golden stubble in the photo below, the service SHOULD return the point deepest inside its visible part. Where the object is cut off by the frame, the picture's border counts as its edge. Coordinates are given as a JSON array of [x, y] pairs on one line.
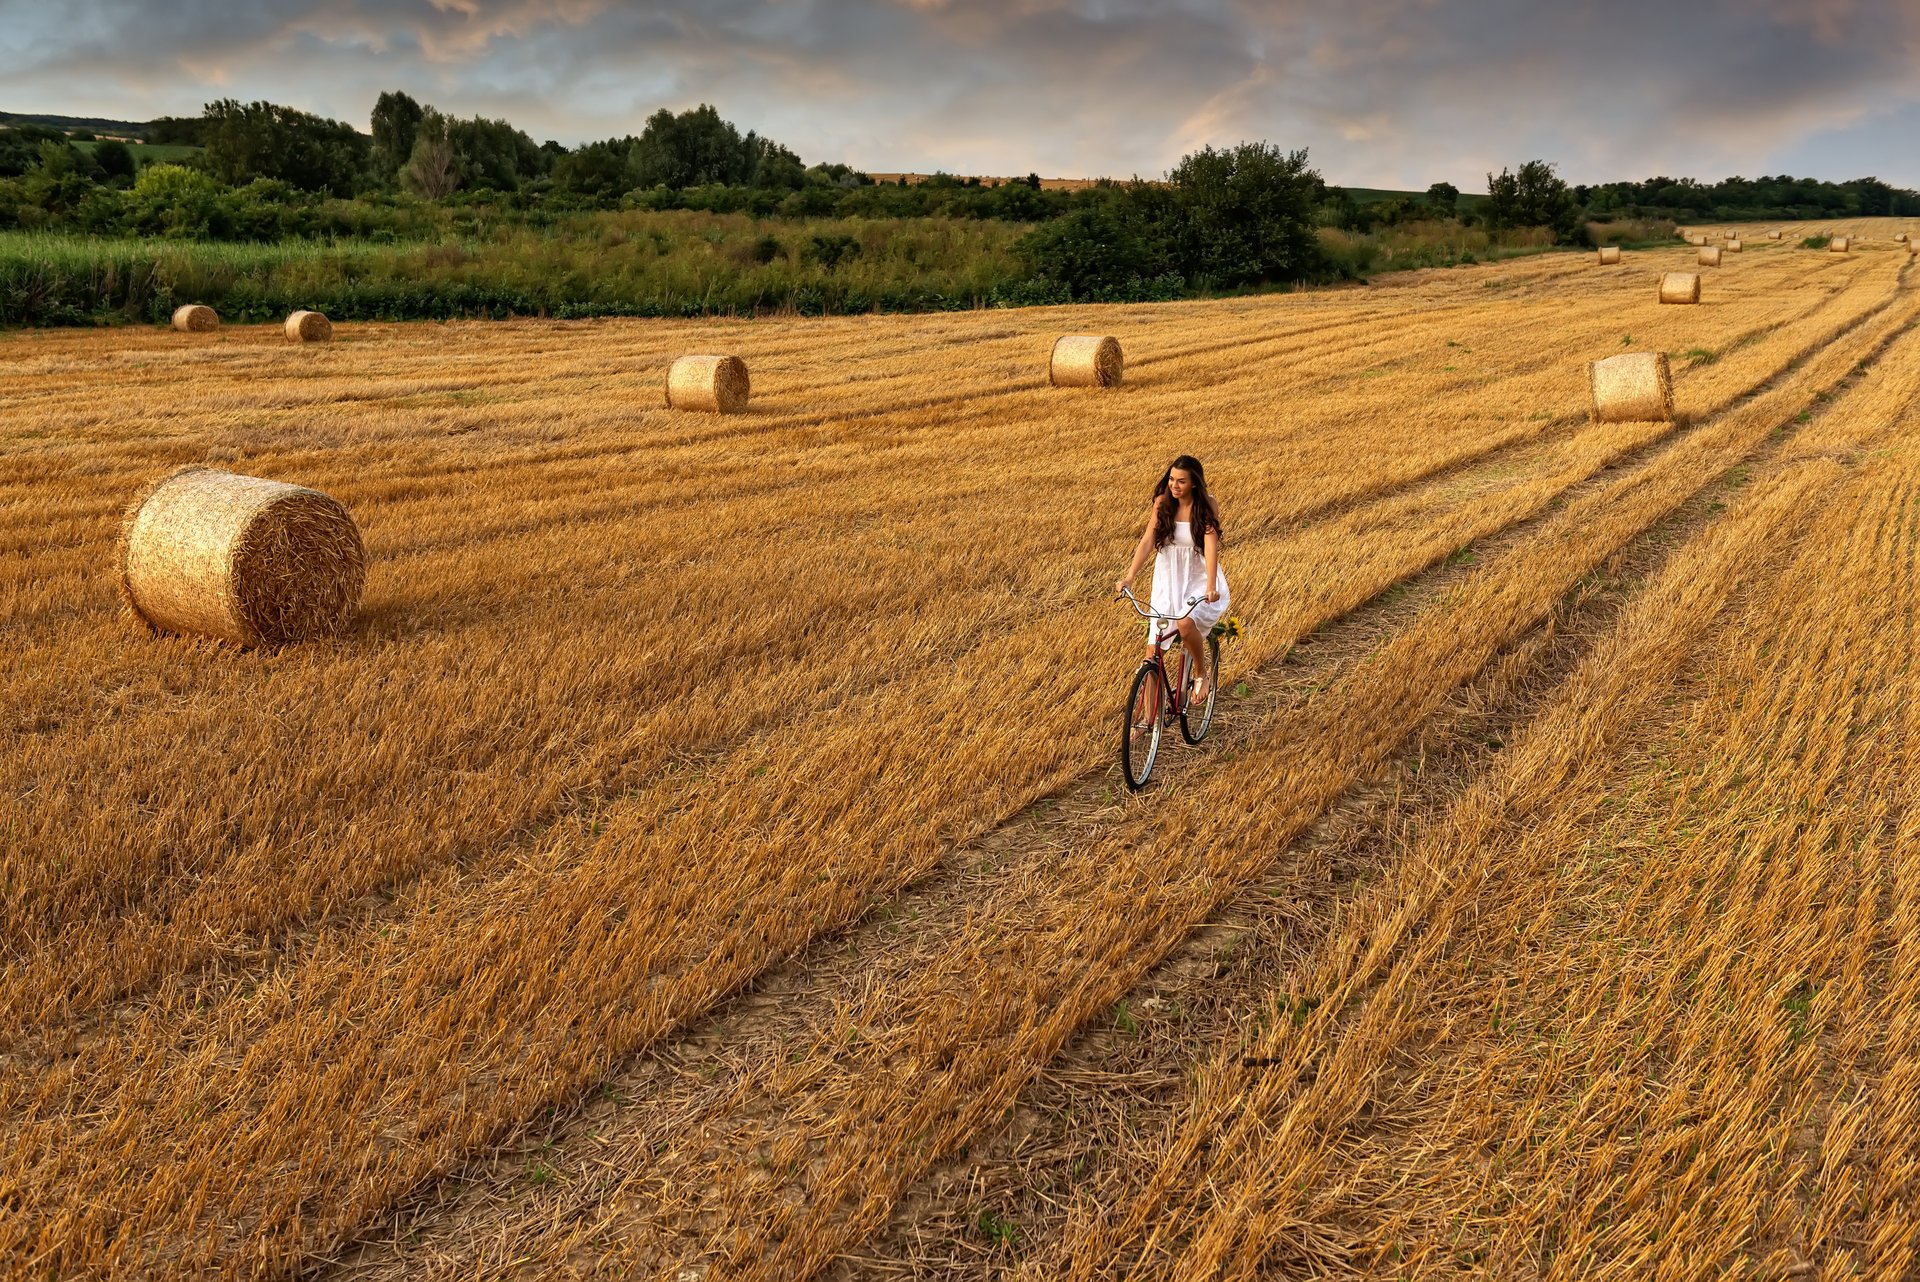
[[641, 701]]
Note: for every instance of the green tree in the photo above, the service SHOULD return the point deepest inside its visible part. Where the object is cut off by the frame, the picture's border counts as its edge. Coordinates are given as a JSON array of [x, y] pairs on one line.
[[396, 124], [172, 200], [1533, 197], [1245, 214], [115, 159], [492, 153], [1104, 250], [262, 140], [432, 170], [1445, 199], [57, 183]]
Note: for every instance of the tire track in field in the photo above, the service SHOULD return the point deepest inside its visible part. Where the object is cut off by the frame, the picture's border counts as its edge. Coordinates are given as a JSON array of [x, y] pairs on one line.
[[822, 988]]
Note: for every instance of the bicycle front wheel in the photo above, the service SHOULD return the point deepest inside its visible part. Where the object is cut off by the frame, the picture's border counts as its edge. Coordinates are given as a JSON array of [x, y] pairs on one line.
[[1140, 734], [1195, 722]]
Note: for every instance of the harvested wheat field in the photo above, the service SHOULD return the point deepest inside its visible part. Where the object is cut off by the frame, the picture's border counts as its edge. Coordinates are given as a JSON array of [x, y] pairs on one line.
[[703, 855]]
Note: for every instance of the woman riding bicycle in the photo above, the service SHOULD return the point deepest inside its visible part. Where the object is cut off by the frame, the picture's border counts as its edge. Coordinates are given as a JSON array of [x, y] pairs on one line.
[[1188, 564]]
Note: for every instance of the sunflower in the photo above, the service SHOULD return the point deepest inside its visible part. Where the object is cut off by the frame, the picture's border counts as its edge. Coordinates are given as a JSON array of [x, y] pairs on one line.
[[1226, 628]]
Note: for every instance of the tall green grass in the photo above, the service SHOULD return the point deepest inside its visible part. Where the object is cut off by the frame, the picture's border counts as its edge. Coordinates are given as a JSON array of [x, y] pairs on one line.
[[641, 263]]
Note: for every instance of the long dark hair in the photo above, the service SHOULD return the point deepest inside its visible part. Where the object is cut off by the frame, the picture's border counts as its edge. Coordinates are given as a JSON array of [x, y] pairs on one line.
[[1166, 507]]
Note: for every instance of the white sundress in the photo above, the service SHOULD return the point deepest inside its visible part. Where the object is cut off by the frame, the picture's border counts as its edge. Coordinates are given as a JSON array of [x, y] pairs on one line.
[[1180, 571]]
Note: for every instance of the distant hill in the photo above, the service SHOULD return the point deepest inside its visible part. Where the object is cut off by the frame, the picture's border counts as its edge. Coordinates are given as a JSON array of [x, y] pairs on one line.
[[113, 128]]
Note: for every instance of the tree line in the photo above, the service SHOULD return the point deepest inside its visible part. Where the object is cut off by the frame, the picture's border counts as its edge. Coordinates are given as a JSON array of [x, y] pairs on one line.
[[1223, 218]]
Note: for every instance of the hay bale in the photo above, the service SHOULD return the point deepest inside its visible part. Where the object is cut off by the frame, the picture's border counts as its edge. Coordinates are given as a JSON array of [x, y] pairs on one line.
[[1680, 287], [240, 558], [715, 383], [1634, 387], [1710, 256], [1086, 360], [308, 327], [1773, 235], [195, 318], [1696, 240], [1609, 255], [1839, 245], [1900, 239], [1733, 247]]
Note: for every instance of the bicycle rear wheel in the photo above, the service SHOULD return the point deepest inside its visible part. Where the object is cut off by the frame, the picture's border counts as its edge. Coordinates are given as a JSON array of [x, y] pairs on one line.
[[1195, 722], [1141, 729]]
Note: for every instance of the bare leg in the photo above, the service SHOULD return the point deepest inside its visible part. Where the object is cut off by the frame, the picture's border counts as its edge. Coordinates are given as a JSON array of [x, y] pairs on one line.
[[1196, 649]]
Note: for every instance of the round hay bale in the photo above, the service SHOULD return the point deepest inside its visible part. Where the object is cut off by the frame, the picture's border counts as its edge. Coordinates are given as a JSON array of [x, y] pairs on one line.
[[1773, 235], [308, 327], [1901, 238], [1696, 240], [240, 558], [1634, 387], [1680, 287], [1710, 256], [1609, 255], [1733, 247], [715, 383], [195, 318], [1839, 245], [1086, 360]]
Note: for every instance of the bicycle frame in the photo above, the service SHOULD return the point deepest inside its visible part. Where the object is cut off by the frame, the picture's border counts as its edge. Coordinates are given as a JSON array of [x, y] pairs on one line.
[[1168, 687]]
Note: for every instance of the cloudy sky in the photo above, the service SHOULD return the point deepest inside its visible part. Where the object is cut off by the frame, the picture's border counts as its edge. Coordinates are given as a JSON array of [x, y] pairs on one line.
[[1388, 93]]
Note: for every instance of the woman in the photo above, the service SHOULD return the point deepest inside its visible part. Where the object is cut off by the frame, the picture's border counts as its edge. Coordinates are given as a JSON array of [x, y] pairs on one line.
[[1184, 527]]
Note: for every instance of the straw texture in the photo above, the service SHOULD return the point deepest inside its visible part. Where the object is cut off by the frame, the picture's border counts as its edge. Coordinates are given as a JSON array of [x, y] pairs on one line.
[[1710, 256], [1609, 255], [1839, 245], [715, 383], [1086, 360], [1634, 387], [243, 559], [195, 318], [309, 327], [1680, 287]]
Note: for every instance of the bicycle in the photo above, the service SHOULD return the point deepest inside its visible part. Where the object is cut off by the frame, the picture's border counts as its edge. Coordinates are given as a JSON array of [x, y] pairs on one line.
[[1154, 699]]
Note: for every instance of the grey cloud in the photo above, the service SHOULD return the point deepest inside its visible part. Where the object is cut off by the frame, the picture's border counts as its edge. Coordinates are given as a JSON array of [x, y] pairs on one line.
[[1393, 92]]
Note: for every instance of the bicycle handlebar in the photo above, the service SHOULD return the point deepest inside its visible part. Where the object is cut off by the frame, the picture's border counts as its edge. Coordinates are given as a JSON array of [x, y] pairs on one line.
[[1134, 601]]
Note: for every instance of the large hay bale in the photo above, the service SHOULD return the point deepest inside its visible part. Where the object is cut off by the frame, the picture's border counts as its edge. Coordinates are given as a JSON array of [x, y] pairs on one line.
[[1634, 387], [1680, 287], [1710, 256], [308, 327], [715, 383], [1609, 255], [1696, 240], [1773, 235], [1839, 245], [240, 558], [1733, 247], [1900, 238], [195, 318], [1086, 360]]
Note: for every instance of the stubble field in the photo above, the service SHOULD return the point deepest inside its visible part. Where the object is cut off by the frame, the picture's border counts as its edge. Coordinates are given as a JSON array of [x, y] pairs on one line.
[[704, 858]]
